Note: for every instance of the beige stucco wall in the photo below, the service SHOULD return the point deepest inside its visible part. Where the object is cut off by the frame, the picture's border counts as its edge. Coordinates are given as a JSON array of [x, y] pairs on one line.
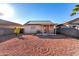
[[34, 28], [7, 29]]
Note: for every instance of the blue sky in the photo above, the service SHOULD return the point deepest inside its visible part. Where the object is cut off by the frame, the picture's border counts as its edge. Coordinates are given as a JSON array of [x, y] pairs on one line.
[[56, 12]]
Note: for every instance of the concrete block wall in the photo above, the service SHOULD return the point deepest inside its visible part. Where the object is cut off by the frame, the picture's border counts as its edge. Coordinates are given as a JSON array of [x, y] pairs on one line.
[[70, 32], [4, 31]]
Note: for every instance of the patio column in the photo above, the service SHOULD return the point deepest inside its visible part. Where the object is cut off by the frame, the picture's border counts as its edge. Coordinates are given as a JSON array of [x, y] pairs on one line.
[[49, 28], [54, 29], [42, 28]]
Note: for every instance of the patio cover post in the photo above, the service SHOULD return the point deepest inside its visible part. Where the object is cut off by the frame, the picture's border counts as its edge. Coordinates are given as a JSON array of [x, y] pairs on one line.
[[54, 30]]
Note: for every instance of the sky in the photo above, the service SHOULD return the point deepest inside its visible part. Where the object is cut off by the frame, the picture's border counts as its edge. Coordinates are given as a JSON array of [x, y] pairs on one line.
[[55, 12]]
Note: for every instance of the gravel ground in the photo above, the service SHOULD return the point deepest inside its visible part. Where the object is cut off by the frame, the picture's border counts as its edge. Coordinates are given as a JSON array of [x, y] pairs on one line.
[[30, 45]]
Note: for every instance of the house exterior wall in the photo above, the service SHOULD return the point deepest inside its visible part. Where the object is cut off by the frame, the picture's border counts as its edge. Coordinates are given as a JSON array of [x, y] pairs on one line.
[[35, 28], [73, 23], [5, 29], [32, 28]]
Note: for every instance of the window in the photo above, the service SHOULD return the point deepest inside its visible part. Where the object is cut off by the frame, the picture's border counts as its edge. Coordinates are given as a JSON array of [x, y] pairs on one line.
[[32, 27]]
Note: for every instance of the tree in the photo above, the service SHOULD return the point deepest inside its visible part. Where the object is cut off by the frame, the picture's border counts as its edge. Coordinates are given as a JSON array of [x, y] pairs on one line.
[[75, 10]]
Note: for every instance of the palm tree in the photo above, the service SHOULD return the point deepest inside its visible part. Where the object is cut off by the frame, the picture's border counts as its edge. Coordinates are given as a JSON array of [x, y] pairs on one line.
[[75, 10]]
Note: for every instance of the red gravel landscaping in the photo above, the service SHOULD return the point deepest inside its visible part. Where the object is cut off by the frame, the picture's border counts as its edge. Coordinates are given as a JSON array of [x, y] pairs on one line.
[[30, 45]]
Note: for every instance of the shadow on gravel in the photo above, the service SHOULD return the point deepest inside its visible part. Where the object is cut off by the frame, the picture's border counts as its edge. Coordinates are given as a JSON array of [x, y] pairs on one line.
[[57, 36], [8, 37]]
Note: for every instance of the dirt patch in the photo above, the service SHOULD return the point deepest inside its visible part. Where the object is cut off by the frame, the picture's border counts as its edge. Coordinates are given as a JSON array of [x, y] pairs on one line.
[[34, 46]]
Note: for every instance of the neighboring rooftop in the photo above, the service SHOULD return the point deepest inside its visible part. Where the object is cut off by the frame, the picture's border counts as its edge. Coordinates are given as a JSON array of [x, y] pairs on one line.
[[4, 22], [73, 21], [39, 22]]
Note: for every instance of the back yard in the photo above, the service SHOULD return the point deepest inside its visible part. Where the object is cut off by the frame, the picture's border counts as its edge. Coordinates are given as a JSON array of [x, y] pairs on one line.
[[32, 45]]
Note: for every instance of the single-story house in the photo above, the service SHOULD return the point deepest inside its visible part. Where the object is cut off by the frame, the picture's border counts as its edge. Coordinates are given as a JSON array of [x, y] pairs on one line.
[[7, 27], [73, 23], [39, 26]]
